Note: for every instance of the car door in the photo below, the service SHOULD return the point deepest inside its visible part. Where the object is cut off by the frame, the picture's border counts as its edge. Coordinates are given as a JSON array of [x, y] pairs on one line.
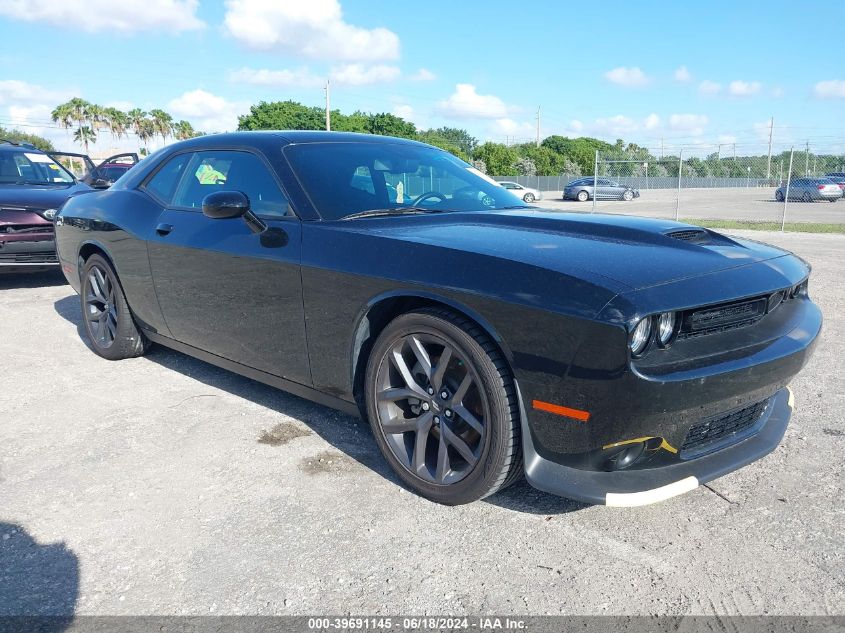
[[223, 288], [606, 189]]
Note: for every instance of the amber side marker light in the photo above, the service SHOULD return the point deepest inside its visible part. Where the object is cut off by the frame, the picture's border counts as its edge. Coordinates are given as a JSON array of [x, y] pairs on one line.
[[576, 414]]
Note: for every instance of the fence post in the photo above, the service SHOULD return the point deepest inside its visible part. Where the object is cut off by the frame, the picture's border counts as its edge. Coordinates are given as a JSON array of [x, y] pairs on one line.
[[680, 171], [786, 196], [595, 181]]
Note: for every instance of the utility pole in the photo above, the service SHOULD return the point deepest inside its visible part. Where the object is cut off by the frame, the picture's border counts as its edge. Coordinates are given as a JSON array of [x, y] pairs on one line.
[[538, 126], [807, 159], [328, 111], [661, 148], [769, 161], [734, 152]]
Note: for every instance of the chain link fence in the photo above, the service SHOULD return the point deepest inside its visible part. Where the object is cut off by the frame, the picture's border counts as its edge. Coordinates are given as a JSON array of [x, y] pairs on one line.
[[702, 182]]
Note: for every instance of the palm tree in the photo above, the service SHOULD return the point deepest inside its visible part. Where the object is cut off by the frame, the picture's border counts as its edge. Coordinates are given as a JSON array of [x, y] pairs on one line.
[[79, 111], [145, 130], [84, 135], [117, 121], [96, 116], [162, 123], [62, 115], [183, 130]]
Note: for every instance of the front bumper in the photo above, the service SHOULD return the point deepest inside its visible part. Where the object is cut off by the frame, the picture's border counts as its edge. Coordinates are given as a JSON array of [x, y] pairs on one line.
[[30, 253], [642, 487]]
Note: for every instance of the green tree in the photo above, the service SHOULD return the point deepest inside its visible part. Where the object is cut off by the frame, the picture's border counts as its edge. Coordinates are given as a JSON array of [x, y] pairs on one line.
[[387, 124], [282, 115], [16, 136], [453, 136], [499, 159], [162, 123]]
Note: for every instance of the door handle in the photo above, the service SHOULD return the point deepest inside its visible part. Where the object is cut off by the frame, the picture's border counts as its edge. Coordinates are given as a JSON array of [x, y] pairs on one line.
[[164, 229]]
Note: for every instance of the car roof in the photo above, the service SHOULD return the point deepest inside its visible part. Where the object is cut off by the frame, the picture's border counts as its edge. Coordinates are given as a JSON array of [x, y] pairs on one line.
[[15, 147], [290, 137]]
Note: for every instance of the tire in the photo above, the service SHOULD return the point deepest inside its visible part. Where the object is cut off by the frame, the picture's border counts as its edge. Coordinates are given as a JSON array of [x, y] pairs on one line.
[[476, 426], [807, 197], [834, 199], [628, 195], [779, 196], [583, 196], [114, 336], [528, 197]]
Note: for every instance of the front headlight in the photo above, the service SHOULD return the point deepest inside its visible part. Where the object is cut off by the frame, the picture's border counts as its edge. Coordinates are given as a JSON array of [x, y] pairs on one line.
[[48, 214], [665, 327], [640, 336]]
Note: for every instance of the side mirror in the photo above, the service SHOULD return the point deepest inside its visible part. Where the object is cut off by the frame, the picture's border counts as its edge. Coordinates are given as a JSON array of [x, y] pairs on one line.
[[101, 183], [222, 205]]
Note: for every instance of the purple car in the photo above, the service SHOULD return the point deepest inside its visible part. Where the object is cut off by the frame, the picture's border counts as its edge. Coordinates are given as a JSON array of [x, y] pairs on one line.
[[32, 187]]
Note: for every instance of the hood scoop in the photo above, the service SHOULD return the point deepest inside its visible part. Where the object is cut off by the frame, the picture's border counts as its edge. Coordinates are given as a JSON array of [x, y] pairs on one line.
[[697, 236]]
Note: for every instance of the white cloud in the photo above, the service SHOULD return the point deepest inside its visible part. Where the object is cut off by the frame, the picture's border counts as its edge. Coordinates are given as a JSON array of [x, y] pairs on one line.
[[94, 16], [313, 29], [740, 88], [692, 124], [709, 88], [466, 103], [284, 77], [682, 74], [652, 121], [517, 130], [361, 75], [631, 77], [576, 126], [619, 125], [17, 92], [423, 74], [206, 111], [727, 139], [830, 89], [404, 111]]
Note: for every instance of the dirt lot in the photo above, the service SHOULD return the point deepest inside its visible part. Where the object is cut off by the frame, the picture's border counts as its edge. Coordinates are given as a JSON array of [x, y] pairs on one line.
[[163, 485], [727, 204]]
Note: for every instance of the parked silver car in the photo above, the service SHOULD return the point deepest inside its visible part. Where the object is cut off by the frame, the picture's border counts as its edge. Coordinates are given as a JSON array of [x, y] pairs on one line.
[[810, 190], [528, 194], [582, 190], [838, 177]]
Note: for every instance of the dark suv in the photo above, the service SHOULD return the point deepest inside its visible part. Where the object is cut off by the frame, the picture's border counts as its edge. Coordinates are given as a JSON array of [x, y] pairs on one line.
[[32, 187]]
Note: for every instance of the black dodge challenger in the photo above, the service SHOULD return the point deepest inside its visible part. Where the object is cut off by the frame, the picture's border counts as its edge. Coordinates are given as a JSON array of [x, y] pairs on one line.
[[609, 359]]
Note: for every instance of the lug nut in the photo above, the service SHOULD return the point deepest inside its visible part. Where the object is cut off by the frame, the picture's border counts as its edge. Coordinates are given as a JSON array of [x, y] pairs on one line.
[[437, 419], [448, 413], [444, 394], [431, 391], [425, 406]]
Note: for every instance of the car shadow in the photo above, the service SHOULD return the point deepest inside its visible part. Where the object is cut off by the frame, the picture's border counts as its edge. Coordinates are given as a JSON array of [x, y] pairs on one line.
[[348, 434], [39, 583], [12, 281]]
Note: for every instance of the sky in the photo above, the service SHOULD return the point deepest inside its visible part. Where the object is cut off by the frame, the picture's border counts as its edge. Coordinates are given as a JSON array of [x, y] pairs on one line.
[[680, 74]]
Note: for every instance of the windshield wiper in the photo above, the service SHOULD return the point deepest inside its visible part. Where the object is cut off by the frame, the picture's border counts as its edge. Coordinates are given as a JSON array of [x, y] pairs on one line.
[[373, 213]]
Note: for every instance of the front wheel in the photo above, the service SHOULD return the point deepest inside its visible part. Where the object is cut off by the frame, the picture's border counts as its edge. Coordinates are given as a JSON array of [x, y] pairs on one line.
[[528, 197], [443, 407], [583, 196], [108, 321], [628, 195], [807, 197], [779, 196]]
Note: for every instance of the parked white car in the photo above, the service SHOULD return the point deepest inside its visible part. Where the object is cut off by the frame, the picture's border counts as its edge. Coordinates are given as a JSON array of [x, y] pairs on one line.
[[526, 193]]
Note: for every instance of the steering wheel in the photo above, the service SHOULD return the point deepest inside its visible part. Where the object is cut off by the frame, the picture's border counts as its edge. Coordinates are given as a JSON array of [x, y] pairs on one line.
[[426, 196]]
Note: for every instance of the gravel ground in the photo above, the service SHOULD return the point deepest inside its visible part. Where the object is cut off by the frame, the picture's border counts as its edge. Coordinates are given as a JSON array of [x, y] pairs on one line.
[[162, 485], [726, 204]]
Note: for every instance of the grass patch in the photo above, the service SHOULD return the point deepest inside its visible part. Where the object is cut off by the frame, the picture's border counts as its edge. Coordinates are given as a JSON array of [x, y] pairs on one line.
[[754, 225]]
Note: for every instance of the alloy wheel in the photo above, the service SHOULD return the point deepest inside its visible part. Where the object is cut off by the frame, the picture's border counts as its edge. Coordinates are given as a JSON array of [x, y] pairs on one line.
[[431, 408], [100, 308]]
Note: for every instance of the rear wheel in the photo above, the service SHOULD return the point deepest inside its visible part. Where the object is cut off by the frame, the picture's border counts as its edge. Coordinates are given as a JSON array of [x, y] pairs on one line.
[[834, 199], [442, 407], [528, 197], [583, 196], [108, 321], [807, 197], [779, 196]]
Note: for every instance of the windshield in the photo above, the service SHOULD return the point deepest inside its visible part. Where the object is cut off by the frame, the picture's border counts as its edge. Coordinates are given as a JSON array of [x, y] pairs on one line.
[[347, 178], [31, 168]]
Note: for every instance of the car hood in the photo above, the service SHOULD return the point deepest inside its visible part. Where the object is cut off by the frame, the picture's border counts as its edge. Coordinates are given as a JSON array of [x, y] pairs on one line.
[[624, 252], [38, 197]]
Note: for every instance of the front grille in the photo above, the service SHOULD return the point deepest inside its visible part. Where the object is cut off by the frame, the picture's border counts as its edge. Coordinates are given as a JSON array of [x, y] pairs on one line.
[[27, 228], [39, 257], [722, 430]]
